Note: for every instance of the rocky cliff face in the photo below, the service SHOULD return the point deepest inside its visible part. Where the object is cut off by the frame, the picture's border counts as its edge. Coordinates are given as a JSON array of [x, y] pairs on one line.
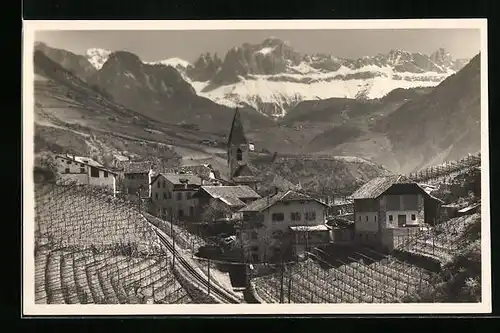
[[272, 77]]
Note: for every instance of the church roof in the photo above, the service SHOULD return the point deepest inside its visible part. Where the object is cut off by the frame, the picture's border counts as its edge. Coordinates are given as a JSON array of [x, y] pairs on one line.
[[237, 135], [245, 170], [246, 173]]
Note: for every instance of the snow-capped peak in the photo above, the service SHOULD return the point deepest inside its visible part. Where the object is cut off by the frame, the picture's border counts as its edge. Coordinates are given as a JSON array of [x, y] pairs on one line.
[[266, 50], [97, 57], [174, 62]]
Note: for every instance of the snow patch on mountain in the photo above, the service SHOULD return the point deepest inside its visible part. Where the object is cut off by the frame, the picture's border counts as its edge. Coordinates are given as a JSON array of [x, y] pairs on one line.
[[175, 62], [266, 50], [97, 57], [287, 90]]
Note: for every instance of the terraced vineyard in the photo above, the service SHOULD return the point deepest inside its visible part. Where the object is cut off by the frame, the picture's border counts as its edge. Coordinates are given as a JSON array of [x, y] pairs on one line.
[[441, 242], [364, 275], [92, 248], [385, 281], [447, 171]]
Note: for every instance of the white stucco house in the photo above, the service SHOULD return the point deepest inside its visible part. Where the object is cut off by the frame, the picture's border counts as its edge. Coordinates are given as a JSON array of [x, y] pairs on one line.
[[285, 223], [389, 209], [85, 171]]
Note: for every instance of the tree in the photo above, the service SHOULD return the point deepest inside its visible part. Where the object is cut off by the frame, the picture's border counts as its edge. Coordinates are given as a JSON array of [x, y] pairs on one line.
[[46, 169], [215, 211]]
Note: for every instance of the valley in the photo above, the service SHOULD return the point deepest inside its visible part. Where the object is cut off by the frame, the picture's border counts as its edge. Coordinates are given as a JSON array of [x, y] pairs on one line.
[[172, 102]]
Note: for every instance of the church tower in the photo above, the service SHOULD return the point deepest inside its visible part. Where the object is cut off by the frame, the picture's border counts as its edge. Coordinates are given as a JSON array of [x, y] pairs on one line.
[[237, 146]]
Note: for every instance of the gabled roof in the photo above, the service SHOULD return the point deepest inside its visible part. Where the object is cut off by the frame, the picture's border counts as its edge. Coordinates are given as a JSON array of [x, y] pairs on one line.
[[284, 196], [237, 135], [87, 161], [377, 186], [242, 191], [232, 201], [230, 195], [178, 179]]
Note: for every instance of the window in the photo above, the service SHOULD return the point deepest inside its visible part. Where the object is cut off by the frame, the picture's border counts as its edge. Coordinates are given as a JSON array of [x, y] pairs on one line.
[[278, 217], [66, 170], [367, 218], [82, 170], [413, 217], [375, 218], [156, 196], [158, 184], [360, 218], [68, 162], [390, 218], [179, 196], [169, 195], [310, 216], [165, 195], [163, 184], [105, 174], [239, 155], [94, 172], [295, 216], [181, 213]]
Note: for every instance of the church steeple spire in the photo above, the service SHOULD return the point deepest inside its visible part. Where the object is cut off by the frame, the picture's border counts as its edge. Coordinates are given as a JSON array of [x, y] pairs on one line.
[[237, 135]]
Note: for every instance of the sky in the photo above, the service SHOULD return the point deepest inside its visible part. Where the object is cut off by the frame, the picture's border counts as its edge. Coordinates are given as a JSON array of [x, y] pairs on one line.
[[189, 44]]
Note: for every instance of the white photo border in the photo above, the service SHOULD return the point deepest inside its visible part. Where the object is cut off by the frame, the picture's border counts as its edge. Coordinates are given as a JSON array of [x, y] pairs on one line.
[[29, 308]]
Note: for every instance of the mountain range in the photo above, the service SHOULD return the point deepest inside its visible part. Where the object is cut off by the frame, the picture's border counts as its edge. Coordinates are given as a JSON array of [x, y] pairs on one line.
[[155, 90], [272, 78], [372, 107]]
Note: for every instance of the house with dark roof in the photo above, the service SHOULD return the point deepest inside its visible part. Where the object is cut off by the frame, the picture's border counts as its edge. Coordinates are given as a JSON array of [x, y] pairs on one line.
[[284, 224], [137, 178], [223, 201], [171, 195], [388, 209], [238, 148], [85, 171]]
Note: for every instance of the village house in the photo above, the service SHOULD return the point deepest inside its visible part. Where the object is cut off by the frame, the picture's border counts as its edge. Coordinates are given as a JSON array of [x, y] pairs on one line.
[[223, 200], [137, 178], [85, 171], [389, 209], [340, 207], [286, 223], [238, 148], [171, 195], [209, 175]]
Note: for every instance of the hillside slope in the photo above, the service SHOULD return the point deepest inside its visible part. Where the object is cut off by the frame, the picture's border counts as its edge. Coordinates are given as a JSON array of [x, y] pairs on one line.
[[157, 91], [442, 125], [321, 126], [71, 115], [321, 175], [425, 130]]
